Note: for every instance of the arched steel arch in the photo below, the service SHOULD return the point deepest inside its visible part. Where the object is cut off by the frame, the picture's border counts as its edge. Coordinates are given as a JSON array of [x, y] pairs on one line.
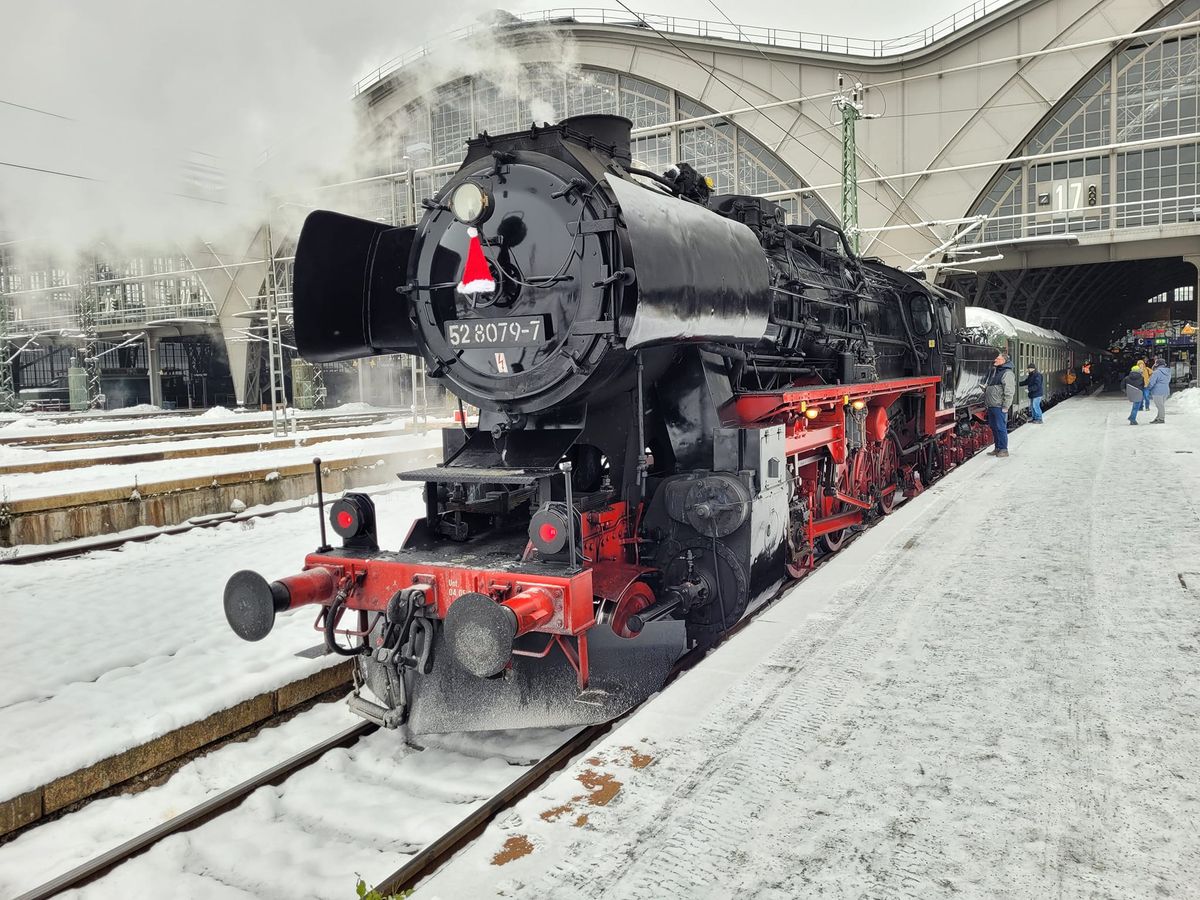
[[935, 113]]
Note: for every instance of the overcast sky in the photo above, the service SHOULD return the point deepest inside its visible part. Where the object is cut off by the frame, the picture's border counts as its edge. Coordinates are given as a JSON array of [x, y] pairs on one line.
[[110, 96]]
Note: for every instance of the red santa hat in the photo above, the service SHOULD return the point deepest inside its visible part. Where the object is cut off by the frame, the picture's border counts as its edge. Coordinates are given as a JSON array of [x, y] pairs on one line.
[[476, 276]]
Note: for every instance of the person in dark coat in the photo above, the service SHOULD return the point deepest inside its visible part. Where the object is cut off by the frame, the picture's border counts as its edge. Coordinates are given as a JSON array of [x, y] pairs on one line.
[[1133, 392], [1033, 383], [998, 394]]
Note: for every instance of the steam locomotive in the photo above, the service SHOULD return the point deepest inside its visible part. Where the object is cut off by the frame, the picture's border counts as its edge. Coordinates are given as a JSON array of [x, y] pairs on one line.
[[684, 401]]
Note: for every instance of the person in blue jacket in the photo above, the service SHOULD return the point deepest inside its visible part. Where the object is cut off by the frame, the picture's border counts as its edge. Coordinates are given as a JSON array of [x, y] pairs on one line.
[[1033, 382], [1160, 388]]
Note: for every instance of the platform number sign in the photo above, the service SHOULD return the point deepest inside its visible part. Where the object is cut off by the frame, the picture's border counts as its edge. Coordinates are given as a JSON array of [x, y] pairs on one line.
[[1068, 198]]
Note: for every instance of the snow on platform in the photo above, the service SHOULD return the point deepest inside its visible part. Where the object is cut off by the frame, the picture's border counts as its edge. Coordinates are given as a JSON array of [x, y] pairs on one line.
[[17, 425], [114, 649], [993, 693], [87, 478]]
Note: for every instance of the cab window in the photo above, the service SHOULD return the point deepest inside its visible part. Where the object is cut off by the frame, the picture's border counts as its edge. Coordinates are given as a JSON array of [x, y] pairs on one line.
[[922, 313]]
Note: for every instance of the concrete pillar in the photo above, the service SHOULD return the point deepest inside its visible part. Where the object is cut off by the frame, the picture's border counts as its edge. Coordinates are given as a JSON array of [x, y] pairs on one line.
[[154, 370], [238, 352], [232, 271]]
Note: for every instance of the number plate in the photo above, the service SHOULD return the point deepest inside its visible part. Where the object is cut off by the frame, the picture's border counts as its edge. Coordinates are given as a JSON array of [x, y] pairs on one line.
[[525, 331]]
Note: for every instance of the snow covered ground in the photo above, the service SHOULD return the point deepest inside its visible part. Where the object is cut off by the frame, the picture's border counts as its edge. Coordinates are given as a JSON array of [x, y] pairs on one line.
[[25, 485], [12, 455], [993, 693], [362, 810], [15, 425], [117, 648]]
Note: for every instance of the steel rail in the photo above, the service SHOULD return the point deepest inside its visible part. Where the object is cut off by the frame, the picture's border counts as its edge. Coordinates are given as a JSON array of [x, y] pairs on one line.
[[197, 815], [432, 856]]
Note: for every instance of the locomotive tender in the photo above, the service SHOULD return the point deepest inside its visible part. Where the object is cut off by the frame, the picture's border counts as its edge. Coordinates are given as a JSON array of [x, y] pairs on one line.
[[683, 402]]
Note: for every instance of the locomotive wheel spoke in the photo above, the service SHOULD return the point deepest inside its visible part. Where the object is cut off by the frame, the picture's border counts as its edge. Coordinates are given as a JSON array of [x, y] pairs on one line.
[[889, 469], [831, 506]]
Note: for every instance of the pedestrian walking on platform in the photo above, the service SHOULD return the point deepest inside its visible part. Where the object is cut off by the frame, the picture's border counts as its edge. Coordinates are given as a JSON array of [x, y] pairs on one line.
[[998, 396], [1144, 368], [1133, 392], [1033, 382], [1085, 382], [1160, 389]]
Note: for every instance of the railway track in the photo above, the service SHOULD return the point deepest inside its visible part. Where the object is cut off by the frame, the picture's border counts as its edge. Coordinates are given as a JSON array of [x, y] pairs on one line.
[[197, 815], [428, 858], [204, 451], [92, 439]]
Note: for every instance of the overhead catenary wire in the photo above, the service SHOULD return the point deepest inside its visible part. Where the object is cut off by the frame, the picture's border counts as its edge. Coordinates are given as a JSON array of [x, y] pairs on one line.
[[1190, 25], [34, 109], [13, 165], [711, 71], [761, 108], [646, 130], [1098, 150], [78, 177], [787, 135]]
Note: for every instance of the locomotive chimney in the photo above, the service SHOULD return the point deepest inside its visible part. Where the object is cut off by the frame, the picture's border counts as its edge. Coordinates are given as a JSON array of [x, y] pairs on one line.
[[613, 131]]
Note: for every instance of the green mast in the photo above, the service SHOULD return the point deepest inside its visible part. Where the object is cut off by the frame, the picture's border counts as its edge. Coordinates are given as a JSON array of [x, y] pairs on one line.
[[851, 108]]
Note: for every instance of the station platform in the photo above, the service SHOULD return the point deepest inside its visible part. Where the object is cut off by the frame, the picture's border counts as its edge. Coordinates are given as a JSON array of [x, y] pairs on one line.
[[992, 693]]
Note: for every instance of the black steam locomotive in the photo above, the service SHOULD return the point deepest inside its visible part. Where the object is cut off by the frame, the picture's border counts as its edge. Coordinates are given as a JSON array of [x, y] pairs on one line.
[[683, 402]]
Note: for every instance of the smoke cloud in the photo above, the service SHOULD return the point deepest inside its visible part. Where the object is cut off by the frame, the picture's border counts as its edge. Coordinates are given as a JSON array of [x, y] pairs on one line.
[[154, 123]]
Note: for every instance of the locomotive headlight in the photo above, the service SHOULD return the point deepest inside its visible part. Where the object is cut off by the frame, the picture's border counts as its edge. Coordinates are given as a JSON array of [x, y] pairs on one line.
[[470, 203], [812, 412]]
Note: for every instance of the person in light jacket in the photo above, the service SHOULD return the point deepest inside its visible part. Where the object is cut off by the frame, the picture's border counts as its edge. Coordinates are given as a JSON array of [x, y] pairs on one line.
[[1133, 392], [1033, 381], [1160, 389], [998, 394]]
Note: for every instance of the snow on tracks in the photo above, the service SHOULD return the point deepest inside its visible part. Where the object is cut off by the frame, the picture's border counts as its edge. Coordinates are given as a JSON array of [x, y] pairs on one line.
[[364, 809]]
